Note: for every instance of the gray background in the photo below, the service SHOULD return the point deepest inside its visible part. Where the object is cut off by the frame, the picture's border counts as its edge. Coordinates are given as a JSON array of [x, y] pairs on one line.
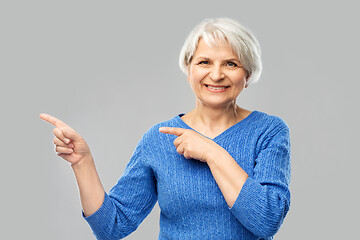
[[110, 70]]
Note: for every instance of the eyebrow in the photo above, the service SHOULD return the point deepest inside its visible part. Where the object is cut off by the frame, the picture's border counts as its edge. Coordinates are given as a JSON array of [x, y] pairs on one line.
[[230, 59], [233, 59]]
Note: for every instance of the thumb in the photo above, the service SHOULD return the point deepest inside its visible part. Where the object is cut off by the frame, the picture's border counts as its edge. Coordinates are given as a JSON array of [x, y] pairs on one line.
[[71, 134]]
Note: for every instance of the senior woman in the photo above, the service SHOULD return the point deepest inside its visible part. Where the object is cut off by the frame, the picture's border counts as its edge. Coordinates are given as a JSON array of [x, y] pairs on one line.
[[218, 172]]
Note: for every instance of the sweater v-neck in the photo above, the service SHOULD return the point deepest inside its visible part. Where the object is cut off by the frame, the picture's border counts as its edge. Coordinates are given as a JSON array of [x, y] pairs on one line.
[[224, 133]]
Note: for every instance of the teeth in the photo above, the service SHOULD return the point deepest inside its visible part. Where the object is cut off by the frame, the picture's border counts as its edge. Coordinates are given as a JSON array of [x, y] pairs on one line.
[[216, 87]]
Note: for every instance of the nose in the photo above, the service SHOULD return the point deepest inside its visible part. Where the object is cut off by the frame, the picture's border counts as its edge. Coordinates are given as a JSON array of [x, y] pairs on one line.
[[216, 73]]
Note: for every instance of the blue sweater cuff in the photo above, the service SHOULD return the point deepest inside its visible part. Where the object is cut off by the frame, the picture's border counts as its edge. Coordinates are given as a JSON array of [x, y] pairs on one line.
[[245, 201], [101, 216]]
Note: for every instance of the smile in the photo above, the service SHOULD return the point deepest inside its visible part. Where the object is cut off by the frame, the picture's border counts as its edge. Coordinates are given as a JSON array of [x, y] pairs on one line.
[[216, 89]]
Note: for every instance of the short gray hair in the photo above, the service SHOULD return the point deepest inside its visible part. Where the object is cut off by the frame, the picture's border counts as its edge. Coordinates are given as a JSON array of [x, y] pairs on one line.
[[241, 40]]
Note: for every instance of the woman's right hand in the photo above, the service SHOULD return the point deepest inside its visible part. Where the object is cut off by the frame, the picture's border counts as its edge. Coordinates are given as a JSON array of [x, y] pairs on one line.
[[69, 144]]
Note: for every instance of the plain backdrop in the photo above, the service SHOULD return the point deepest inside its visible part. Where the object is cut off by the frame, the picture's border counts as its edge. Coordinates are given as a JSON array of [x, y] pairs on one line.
[[110, 70]]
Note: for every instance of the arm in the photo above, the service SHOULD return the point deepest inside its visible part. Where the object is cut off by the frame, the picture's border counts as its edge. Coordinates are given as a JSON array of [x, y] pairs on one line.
[[227, 173], [259, 202], [73, 148], [90, 188], [128, 202], [117, 214]]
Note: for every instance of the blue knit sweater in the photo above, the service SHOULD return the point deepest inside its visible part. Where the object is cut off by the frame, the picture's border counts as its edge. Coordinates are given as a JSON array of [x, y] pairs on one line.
[[192, 205]]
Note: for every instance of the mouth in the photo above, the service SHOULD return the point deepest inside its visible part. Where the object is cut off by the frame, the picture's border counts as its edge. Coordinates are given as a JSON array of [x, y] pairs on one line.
[[216, 87]]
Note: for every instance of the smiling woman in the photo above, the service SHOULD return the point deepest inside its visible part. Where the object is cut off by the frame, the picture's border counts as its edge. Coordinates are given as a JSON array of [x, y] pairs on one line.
[[216, 75], [241, 41], [218, 172]]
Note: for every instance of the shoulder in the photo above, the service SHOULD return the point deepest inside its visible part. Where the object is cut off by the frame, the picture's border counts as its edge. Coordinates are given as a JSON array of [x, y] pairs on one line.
[[267, 121], [265, 127], [274, 129]]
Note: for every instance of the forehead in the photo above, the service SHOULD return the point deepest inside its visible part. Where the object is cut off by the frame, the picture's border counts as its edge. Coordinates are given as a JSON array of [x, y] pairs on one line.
[[218, 48]]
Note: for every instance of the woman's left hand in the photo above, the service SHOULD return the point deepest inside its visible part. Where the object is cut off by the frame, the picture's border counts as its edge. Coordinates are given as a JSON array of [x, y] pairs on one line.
[[191, 144]]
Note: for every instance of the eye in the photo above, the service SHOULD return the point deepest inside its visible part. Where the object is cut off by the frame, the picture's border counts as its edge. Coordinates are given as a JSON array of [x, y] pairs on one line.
[[203, 62], [231, 64]]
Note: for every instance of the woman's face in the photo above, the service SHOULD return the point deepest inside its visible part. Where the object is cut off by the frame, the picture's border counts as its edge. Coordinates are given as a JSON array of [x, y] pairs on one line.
[[216, 75]]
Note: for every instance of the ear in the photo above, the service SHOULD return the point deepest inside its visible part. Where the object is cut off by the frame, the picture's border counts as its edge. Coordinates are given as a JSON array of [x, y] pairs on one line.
[[188, 74], [247, 80]]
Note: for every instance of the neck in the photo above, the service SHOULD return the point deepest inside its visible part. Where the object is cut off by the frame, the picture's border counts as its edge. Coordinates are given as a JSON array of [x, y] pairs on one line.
[[215, 118]]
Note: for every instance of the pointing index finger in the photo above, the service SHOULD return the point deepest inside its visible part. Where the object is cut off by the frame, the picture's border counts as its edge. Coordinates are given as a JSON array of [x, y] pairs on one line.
[[53, 120], [172, 130]]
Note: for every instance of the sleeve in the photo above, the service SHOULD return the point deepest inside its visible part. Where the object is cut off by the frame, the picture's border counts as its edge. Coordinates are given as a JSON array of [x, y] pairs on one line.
[[128, 202], [264, 199]]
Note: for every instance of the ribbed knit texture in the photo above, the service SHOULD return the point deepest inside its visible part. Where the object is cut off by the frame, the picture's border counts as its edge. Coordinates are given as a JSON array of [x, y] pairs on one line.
[[192, 205]]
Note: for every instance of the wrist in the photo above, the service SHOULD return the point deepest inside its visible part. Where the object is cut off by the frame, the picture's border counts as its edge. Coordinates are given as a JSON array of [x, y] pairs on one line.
[[83, 163], [215, 154]]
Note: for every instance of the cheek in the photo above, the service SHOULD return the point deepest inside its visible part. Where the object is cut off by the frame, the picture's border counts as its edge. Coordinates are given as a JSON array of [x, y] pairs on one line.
[[240, 85], [239, 80], [196, 75]]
